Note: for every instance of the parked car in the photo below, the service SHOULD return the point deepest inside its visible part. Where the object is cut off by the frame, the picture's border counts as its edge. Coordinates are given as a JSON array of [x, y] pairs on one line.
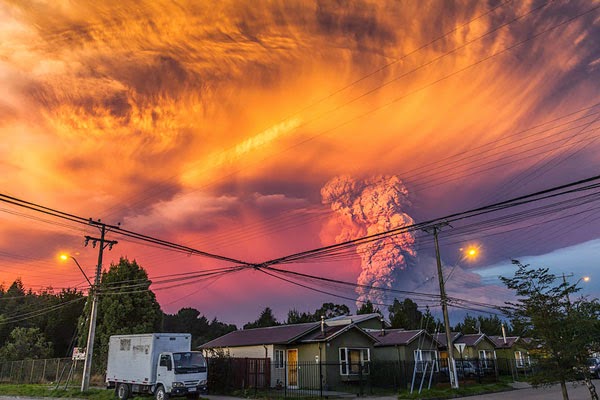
[[594, 364], [465, 368]]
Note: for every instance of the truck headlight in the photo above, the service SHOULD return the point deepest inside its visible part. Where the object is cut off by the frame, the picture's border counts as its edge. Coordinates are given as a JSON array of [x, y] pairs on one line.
[[178, 384], [202, 382]]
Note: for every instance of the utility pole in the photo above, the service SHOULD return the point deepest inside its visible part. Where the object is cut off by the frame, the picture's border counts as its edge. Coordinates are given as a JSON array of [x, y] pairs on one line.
[[566, 286], [89, 350], [444, 303]]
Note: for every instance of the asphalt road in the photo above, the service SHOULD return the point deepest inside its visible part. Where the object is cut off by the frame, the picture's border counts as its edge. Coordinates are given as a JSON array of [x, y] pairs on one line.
[[578, 392]]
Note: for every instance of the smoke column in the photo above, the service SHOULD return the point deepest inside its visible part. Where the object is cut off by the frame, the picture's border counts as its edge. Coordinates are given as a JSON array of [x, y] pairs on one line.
[[366, 207]]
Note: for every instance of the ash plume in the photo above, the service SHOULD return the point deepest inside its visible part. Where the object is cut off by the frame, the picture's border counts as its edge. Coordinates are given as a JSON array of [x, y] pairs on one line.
[[366, 207]]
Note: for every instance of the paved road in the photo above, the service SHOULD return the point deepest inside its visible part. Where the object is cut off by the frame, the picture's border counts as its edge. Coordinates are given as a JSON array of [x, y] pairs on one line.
[[579, 392]]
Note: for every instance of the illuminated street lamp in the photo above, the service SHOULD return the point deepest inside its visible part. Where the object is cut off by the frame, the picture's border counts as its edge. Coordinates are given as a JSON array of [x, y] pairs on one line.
[[65, 257], [471, 253], [85, 380], [564, 277]]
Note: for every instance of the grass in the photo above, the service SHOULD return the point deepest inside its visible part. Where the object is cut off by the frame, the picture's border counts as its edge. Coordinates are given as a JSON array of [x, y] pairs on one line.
[[50, 390], [449, 393]]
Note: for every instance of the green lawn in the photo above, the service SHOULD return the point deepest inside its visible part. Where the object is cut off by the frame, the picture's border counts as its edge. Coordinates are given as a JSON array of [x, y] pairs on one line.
[[448, 393], [52, 391]]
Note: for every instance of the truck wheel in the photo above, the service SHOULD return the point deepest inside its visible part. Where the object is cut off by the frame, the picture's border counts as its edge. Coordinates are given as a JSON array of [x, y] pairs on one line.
[[161, 393], [122, 391]]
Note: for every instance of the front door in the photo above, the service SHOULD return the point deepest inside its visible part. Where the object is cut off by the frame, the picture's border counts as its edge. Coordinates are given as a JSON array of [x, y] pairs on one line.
[[292, 368]]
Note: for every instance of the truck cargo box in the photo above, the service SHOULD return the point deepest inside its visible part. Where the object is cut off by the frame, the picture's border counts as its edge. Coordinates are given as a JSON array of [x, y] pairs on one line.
[[133, 358]]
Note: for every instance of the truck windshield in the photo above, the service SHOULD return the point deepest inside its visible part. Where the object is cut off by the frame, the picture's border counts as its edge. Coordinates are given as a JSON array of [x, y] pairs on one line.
[[189, 362]]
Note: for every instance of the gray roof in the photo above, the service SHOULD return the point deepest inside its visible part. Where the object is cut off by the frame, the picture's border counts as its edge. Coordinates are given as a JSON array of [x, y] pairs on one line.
[[332, 332], [500, 344], [397, 337], [281, 334], [441, 338], [473, 339], [353, 319]]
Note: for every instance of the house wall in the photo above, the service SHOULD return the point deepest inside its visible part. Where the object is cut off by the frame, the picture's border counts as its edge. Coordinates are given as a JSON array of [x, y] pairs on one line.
[[473, 351], [248, 351], [373, 323], [351, 339]]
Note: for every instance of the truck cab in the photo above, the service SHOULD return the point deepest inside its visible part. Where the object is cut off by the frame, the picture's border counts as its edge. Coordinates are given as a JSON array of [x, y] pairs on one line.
[[181, 373]]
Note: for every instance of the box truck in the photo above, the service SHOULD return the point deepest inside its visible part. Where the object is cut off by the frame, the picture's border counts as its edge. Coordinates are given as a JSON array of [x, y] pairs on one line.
[[161, 364]]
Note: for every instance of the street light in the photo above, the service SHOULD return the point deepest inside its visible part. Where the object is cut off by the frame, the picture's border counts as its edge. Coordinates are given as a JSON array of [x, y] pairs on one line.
[[564, 278], [87, 365], [65, 257]]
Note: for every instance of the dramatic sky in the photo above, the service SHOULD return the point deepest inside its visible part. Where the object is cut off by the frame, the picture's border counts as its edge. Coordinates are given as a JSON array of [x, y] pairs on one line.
[[256, 130]]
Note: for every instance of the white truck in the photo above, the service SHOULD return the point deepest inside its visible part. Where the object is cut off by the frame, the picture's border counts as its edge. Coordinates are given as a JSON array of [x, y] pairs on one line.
[[161, 364]]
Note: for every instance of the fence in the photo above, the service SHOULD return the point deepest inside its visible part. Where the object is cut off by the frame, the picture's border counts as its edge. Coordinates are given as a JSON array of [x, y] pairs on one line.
[[54, 370], [299, 379], [314, 379]]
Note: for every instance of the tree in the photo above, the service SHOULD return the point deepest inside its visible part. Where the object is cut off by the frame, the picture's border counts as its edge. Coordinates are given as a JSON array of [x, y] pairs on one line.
[[331, 310], [126, 305], [367, 308], [190, 320], [61, 325], [295, 317], [25, 343], [566, 330], [405, 315], [265, 319]]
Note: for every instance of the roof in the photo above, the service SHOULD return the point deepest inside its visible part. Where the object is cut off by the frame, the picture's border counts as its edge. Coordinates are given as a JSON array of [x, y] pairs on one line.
[[332, 332], [441, 338], [397, 337], [352, 319], [281, 334], [470, 339], [500, 344], [473, 339]]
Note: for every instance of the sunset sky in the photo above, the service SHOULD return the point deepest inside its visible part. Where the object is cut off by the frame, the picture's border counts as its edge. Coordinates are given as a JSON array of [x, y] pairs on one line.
[[235, 127]]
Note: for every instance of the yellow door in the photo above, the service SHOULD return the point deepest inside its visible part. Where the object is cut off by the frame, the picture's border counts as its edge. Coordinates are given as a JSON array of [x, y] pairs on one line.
[[292, 367]]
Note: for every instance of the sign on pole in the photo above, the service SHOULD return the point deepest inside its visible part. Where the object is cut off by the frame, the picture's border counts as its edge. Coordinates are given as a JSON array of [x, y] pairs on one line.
[[78, 353], [460, 347]]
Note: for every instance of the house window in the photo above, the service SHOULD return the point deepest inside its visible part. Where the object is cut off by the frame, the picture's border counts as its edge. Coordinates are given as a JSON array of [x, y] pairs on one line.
[[521, 360], [426, 357], [353, 360], [487, 358], [279, 358]]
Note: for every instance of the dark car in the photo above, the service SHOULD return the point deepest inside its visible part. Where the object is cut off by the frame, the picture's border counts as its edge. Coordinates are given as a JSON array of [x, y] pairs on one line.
[[465, 368], [594, 364]]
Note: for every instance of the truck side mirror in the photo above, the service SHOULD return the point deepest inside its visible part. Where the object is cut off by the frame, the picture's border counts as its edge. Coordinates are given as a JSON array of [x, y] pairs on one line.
[[169, 365]]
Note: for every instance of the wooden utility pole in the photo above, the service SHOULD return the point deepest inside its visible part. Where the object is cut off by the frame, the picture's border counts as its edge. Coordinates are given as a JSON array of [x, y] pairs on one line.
[[89, 350], [444, 302]]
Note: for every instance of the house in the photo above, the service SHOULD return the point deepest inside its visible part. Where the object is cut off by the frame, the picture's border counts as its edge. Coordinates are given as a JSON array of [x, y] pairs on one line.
[[443, 345], [512, 351], [477, 346], [340, 347], [404, 345]]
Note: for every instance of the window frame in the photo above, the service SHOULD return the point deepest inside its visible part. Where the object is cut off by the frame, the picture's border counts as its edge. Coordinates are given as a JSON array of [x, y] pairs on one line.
[[346, 363], [420, 361], [522, 360], [279, 359], [484, 359]]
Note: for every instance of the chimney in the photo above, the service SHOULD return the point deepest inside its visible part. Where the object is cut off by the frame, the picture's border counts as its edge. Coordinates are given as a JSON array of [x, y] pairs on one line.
[[382, 326], [323, 325], [503, 333]]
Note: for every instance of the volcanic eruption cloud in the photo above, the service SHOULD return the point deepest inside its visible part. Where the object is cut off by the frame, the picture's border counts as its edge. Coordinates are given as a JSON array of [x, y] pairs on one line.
[[366, 207]]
